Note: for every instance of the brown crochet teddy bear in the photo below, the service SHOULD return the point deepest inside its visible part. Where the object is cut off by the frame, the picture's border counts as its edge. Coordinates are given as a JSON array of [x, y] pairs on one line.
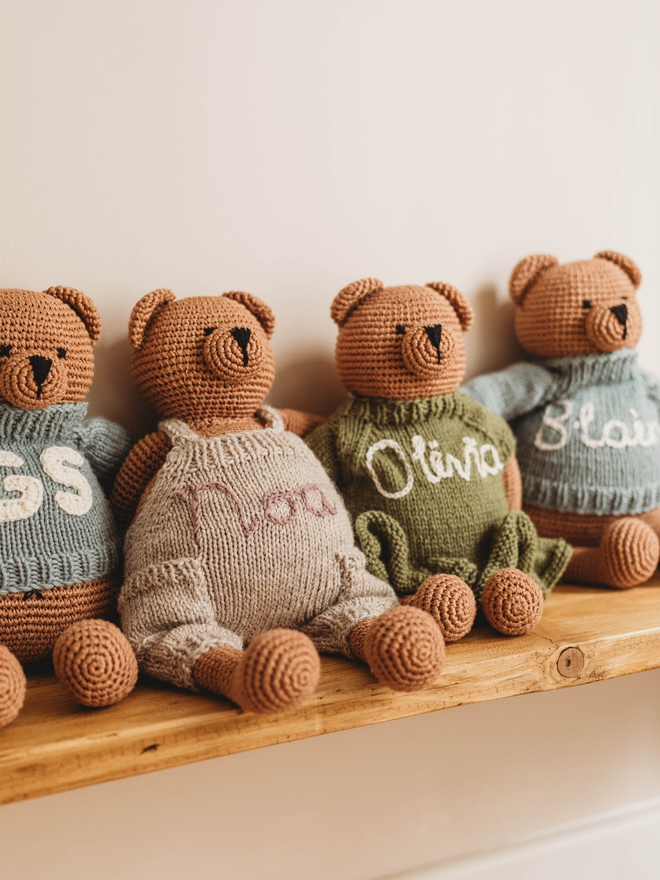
[[59, 547], [240, 560], [585, 415], [428, 475]]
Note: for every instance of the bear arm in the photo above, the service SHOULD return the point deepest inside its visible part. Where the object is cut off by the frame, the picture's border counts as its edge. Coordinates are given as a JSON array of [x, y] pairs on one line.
[[514, 391], [300, 423], [142, 464], [105, 445], [513, 484], [653, 385], [322, 442]]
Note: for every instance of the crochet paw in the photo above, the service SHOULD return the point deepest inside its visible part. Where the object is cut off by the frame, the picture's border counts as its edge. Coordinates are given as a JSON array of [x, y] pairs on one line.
[[630, 551], [95, 663], [449, 601], [12, 686], [512, 602], [278, 671], [404, 648]]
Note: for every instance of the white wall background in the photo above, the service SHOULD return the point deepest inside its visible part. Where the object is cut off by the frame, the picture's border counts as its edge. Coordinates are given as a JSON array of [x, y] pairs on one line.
[[288, 147]]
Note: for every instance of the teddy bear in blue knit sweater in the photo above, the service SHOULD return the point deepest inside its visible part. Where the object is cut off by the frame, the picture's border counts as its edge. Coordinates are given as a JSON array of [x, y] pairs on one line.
[[585, 414], [59, 547]]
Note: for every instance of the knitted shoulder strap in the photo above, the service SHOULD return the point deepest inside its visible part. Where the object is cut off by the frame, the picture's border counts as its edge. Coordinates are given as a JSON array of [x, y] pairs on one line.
[[270, 414], [177, 431]]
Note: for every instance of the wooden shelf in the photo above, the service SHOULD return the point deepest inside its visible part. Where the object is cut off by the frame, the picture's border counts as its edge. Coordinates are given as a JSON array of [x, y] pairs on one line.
[[55, 745]]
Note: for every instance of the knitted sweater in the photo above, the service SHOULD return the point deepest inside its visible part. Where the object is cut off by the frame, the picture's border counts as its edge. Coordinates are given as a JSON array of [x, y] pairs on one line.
[[55, 521], [240, 534], [587, 431], [423, 481]]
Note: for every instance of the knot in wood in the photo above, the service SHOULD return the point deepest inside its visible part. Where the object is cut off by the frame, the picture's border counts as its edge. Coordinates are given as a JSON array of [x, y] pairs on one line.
[[570, 663]]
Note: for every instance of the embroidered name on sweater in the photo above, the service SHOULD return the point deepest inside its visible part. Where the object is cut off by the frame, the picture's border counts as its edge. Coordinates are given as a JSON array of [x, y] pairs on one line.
[[280, 507], [31, 488], [440, 465], [555, 429]]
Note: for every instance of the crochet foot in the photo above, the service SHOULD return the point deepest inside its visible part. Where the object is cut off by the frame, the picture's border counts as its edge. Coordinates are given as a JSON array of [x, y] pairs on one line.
[[12, 686], [449, 601], [404, 648], [95, 663], [512, 602], [278, 671], [630, 551]]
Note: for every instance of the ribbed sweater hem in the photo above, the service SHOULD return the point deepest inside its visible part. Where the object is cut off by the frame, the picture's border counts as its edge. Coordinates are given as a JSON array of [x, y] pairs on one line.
[[599, 500], [37, 573]]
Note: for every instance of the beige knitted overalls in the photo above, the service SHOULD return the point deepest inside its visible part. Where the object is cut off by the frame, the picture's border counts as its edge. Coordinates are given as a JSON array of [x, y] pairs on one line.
[[240, 534]]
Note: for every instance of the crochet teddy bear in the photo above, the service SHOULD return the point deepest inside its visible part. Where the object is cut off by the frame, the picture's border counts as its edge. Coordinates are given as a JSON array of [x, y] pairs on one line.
[[240, 560], [59, 547], [585, 415], [429, 475]]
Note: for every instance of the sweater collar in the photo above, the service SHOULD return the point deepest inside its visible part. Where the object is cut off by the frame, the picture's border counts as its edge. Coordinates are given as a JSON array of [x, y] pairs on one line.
[[595, 369], [50, 423], [382, 411]]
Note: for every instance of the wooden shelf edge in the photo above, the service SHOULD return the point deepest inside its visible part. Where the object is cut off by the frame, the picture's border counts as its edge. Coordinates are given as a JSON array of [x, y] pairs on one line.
[[585, 636]]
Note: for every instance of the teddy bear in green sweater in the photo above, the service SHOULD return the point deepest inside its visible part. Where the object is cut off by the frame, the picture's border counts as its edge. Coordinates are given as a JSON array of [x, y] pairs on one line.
[[428, 474]]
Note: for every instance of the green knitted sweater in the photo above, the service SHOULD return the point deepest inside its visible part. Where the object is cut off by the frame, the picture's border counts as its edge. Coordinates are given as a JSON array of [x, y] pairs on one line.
[[423, 482]]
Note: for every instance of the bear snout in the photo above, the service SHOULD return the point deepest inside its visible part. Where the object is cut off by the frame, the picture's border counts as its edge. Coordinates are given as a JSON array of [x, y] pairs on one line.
[[429, 350], [234, 353], [33, 379], [611, 327]]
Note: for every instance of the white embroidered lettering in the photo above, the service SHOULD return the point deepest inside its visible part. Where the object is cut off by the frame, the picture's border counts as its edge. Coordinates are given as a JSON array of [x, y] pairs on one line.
[[52, 461], [31, 489], [390, 444], [556, 425]]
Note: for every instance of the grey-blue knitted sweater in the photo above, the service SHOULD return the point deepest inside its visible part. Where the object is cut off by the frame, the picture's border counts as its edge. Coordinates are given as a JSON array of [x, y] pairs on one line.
[[56, 525], [588, 438]]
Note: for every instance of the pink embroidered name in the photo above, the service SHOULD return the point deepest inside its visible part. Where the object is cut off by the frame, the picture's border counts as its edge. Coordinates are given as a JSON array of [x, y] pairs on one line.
[[290, 498]]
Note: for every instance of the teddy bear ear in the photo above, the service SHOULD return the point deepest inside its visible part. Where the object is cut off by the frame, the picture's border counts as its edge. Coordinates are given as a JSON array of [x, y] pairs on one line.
[[259, 309], [525, 274], [82, 306], [348, 298], [457, 301], [629, 267], [143, 312]]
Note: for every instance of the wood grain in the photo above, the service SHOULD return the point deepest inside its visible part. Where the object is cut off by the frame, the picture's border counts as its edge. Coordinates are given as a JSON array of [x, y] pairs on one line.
[[55, 745]]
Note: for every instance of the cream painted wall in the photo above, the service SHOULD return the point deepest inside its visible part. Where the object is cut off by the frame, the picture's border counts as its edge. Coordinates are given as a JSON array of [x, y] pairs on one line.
[[288, 148]]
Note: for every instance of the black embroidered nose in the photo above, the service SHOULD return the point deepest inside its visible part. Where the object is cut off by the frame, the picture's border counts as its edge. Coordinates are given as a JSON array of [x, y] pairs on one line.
[[40, 370], [434, 333], [242, 337], [621, 314]]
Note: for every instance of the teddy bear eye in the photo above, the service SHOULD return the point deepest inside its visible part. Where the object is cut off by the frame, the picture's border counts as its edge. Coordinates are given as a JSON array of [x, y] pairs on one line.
[[586, 303], [5, 350], [61, 353], [209, 330], [400, 330]]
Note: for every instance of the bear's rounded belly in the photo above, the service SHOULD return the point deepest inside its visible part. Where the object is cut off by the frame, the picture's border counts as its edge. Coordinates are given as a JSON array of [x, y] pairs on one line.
[[31, 622]]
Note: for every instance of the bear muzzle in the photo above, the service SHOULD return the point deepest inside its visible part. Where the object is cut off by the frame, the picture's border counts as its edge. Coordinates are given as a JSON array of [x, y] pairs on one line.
[[33, 379], [234, 353], [428, 350], [611, 327]]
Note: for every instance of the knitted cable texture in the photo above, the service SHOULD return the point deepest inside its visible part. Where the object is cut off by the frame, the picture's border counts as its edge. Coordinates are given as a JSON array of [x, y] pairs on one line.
[[240, 534]]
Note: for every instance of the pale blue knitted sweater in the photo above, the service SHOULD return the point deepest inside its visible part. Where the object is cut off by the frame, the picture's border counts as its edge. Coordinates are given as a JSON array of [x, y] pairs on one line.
[[588, 438], [56, 527]]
